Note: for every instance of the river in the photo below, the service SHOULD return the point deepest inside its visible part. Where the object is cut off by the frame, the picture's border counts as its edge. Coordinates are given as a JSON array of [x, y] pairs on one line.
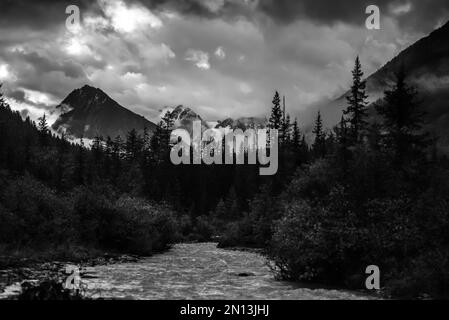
[[198, 271]]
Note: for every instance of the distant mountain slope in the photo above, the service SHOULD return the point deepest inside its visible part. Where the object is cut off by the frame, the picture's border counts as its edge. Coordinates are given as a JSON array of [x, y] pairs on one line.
[[427, 65], [89, 112], [426, 62]]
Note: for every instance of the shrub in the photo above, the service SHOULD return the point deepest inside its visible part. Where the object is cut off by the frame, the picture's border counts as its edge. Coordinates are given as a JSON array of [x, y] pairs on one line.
[[144, 227], [203, 228], [127, 224], [33, 215], [299, 248], [238, 233]]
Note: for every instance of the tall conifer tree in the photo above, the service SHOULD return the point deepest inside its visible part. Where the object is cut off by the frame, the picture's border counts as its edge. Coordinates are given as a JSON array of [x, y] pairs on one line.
[[356, 110]]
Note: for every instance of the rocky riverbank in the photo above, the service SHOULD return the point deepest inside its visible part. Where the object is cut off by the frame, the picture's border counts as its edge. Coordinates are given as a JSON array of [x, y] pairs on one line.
[[17, 271]]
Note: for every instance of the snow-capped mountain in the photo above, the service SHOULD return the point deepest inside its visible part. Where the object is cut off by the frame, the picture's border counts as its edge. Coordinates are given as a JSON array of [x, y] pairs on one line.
[[243, 123]]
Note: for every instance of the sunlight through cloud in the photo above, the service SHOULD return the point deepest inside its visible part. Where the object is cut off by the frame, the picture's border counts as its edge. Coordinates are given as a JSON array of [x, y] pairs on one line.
[[129, 19]]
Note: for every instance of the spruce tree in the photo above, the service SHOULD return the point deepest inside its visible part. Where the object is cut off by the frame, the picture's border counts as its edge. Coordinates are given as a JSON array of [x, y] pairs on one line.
[[160, 140], [3, 132], [167, 121], [356, 110], [343, 143], [286, 130], [296, 135], [342, 132], [109, 146], [97, 146], [80, 165], [320, 137], [61, 163], [117, 151], [304, 149], [42, 124], [275, 121], [134, 145], [97, 166], [146, 139], [402, 119], [43, 130], [221, 212]]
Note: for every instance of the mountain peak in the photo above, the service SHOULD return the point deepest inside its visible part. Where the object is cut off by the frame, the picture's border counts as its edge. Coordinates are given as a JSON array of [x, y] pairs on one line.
[[90, 112], [182, 113], [90, 90]]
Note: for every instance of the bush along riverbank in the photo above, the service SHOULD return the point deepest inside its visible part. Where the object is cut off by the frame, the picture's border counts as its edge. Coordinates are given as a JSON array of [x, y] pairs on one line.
[[37, 224]]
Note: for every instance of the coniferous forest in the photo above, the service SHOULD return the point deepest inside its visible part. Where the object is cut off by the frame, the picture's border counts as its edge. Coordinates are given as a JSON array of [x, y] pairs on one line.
[[371, 190]]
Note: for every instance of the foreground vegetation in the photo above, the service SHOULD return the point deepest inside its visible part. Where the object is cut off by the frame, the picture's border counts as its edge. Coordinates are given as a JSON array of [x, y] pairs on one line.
[[34, 218]]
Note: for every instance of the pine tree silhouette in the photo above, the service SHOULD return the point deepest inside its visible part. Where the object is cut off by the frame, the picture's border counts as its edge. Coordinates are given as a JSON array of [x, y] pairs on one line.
[[44, 131], [356, 110], [296, 135], [320, 137], [286, 130], [275, 121], [402, 119]]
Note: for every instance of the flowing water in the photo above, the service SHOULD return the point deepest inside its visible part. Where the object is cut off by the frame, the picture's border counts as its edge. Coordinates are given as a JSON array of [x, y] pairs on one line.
[[198, 271], [191, 271]]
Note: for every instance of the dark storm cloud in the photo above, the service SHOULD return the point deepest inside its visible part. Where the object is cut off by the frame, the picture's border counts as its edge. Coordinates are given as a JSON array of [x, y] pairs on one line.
[[423, 15], [18, 94], [40, 14], [42, 64], [183, 6], [205, 8], [286, 11], [45, 13]]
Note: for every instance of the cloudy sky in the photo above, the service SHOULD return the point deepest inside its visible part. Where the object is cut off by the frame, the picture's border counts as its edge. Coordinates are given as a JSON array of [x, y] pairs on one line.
[[223, 58]]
